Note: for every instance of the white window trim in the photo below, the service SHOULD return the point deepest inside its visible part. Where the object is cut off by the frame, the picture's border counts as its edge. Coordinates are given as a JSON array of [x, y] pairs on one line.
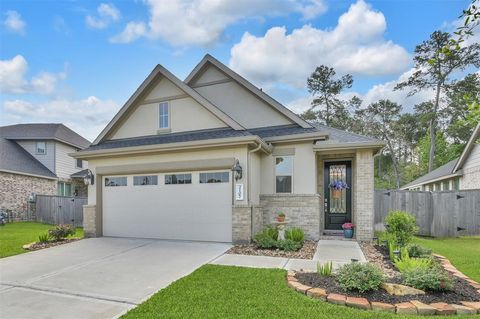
[[275, 173], [167, 129], [36, 148]]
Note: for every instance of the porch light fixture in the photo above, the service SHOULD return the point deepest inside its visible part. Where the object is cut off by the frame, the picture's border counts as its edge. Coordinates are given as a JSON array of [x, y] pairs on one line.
[[89, 179], [237, 169]]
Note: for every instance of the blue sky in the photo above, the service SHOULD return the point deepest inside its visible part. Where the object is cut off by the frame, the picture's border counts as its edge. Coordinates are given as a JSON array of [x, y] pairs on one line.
[[77, 62]]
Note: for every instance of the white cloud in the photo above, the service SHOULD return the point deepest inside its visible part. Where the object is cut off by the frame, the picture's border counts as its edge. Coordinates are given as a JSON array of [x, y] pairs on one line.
[[13, 78], [14, 22], [107, 13], [86, 116], [202, 22], [356, 45]]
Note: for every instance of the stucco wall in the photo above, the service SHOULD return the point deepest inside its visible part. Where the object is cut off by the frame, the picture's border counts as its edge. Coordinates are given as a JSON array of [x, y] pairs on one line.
[[304, 168], [15, 190]]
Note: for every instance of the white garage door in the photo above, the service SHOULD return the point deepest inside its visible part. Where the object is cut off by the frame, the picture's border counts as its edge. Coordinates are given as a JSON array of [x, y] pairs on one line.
[[186, 206]]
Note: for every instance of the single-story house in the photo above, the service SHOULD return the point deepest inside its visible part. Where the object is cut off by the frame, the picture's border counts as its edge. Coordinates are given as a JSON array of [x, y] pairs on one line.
[[34, 160], [458, 174], [214, 158]]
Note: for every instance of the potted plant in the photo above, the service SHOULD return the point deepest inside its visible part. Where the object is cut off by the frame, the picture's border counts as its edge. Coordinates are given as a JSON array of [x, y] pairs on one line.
[[347, 230], [337, 188], [281, 217]]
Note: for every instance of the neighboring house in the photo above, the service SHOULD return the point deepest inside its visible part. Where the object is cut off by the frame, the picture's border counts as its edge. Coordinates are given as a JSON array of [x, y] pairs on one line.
[[168, 164], [460, 173], [34, 159]]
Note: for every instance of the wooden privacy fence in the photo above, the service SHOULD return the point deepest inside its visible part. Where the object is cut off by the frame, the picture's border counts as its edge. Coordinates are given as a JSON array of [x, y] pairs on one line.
[[60, 210], [438, 214]]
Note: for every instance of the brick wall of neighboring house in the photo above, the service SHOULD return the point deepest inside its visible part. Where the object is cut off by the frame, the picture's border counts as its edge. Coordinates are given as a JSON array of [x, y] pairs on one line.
[[79, 186], [15, 190], [301, 210]]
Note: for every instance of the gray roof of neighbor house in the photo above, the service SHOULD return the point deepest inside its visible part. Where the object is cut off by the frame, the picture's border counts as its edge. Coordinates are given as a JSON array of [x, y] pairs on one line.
[[211, 134], [80, 174], [438, 173], [47, 131], [13, 158]]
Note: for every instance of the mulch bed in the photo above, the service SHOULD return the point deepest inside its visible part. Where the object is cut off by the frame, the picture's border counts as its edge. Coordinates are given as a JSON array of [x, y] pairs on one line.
[[378, 255], [37, 246], [306, 252], [462, 291]]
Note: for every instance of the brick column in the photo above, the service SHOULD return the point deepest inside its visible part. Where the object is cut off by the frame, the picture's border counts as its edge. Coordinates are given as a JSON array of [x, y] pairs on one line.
[[364, 191], [90, 221]]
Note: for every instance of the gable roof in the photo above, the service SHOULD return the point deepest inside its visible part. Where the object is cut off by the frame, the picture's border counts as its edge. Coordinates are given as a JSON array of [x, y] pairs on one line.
[[452, 168], [44, 131], [14, 159], [468, 148], [157, 72], [208, 59]]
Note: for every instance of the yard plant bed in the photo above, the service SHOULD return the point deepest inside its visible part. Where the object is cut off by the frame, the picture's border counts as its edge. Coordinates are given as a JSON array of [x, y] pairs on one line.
[[306, 252], [38, 245], [462, 291]]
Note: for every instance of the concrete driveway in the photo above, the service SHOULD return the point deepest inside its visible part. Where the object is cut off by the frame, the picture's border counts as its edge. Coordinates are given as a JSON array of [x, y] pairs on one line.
[[97, 277]]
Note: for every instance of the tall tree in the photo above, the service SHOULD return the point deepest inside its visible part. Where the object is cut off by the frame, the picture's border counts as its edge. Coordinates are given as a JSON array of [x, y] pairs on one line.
[[326, 106], [382, 117], [433, 69]]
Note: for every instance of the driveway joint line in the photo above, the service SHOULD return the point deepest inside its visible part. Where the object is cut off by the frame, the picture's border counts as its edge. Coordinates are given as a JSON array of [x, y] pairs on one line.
[[69, 293], [286, 263]]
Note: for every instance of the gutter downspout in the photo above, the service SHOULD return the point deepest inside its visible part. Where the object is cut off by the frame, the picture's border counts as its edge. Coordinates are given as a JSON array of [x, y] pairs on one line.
[[256, 149]]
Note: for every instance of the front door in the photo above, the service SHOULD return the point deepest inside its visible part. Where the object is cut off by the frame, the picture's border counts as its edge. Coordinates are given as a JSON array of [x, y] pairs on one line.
[[337, 194]]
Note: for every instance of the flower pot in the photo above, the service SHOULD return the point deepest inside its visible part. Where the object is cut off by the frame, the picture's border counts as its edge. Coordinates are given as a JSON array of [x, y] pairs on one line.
[[336, 193], [280, 219], [348, 233]]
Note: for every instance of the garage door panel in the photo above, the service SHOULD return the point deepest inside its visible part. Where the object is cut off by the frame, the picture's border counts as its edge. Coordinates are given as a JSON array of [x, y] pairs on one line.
[[187, 211]]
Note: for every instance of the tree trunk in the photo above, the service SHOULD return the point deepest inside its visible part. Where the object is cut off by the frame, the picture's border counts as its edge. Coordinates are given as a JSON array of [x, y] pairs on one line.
[[327, 118], [395, 162], [433, 130]]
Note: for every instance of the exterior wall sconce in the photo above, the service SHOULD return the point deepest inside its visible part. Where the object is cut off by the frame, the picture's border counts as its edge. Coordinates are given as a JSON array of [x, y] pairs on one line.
[[237, 169], [89, 179]]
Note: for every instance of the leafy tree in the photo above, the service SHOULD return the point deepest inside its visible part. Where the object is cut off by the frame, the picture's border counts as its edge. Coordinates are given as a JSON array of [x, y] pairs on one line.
[[460, 111], [433, 71], [325, 88], [446, 151], [382, 117]]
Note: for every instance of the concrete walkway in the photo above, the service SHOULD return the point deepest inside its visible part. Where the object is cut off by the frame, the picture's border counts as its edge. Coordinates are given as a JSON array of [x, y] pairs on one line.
[[97, 277], [339, 252]]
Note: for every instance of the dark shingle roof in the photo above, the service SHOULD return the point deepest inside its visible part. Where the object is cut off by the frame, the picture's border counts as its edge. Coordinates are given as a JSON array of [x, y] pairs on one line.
[[264, 132], [50, 131], [170, 138], [439, 172], [14, 158], [338, 135], [80, 174]]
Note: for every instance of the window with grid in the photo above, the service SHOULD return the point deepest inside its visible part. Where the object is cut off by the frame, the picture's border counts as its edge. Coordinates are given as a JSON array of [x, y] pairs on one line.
[[164, 121]]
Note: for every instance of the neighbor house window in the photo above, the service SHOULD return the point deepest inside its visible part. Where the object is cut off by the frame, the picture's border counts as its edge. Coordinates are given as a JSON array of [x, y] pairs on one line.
[[214, 177], [173, 179], [164, 120], [64, 189], [79, 163], [145, 180], [283, 174], [41, 148], [456, 184], [115, 181], [446, 185]]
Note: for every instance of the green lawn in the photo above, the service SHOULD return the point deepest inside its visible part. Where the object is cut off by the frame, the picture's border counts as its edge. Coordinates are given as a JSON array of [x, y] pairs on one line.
[[463, 252], [234, 292], [14, 235]]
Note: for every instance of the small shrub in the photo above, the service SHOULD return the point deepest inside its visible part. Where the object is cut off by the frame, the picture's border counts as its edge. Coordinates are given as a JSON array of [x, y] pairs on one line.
[[296, 234], [43, 238], [392, 247], [360, 277], [264, 240], [430, 278], [61, 231], [406, 264], [288, 245], [325, 269], [402, 225], [418, 251]]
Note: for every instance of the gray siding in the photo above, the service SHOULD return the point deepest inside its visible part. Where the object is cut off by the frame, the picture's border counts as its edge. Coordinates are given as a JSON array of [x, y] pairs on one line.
[[65, 164], [47, 159]]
